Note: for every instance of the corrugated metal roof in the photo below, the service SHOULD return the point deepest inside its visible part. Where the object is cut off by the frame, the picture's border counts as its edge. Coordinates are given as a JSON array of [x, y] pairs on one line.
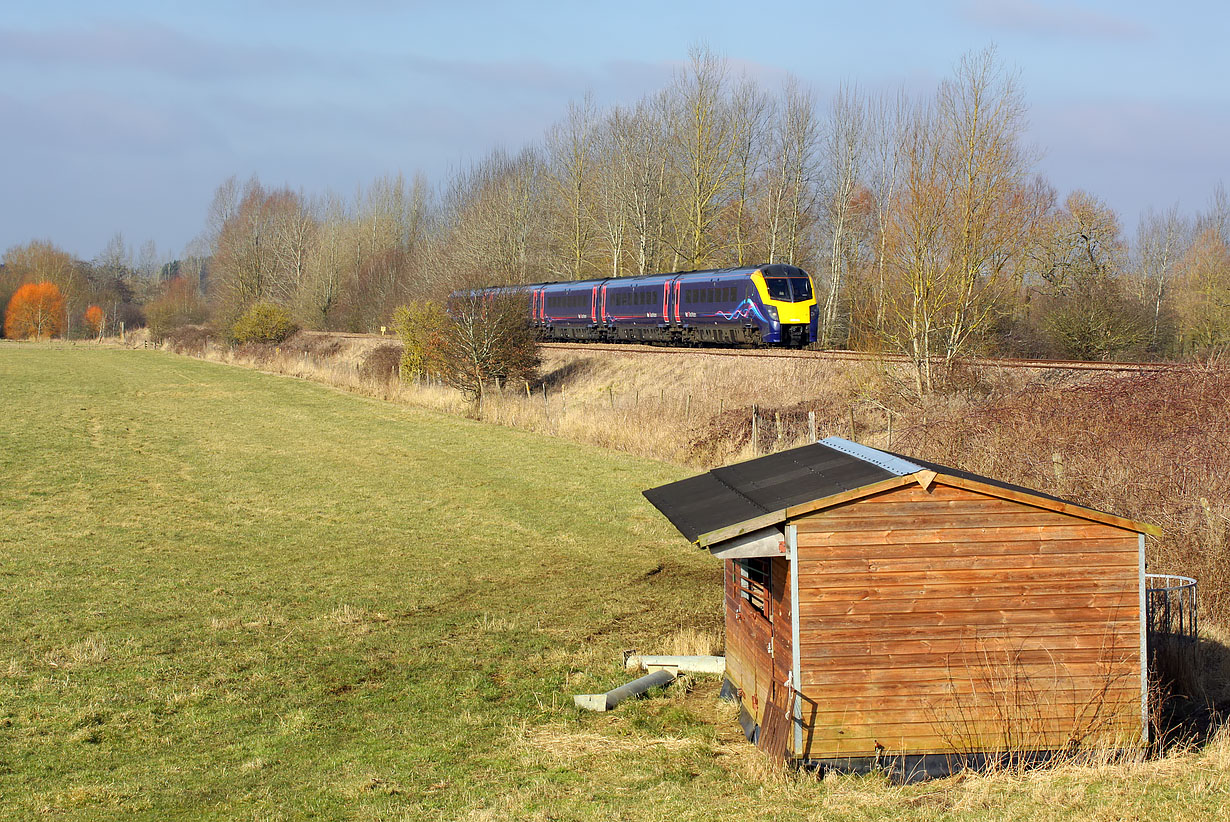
[[732, 495]]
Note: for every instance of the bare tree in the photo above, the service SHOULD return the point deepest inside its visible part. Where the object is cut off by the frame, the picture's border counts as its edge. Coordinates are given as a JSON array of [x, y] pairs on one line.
[[1203, 293], [639, 171], [1161, 240], [981, 117], [887, 117], [793, 171], [750, 111], [571, 164], [702, 151], [845, 148]]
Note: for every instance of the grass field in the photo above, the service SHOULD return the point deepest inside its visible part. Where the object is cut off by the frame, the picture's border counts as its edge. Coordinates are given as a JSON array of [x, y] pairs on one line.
[[232, 595]]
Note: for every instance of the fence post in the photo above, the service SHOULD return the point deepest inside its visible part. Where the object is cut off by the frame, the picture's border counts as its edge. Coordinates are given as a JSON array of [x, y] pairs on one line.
[[811, 427], [755, 434]]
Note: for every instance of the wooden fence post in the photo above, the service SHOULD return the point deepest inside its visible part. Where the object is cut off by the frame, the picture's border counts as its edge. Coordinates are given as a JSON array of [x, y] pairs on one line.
[[755, 434]]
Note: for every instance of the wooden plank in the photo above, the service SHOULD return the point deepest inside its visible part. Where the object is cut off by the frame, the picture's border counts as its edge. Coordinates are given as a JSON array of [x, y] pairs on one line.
[[1124, 630], [1064, 507], [965, 659], [862, 647], [741, 528], [970, 582], [925, 519], [902, 505], [1078, 562], [981, 618], [1012, 602], [816, 548], [1078, 674], [953, 718], [774, 731], [903, 706], [821, 535], [843, 640], [860, 742]]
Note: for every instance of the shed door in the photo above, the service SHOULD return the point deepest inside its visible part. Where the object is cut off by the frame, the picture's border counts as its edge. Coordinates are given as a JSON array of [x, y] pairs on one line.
[[752, 636]]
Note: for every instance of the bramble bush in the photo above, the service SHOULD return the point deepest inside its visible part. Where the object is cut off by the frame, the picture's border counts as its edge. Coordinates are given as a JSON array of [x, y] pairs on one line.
[[263, 323]]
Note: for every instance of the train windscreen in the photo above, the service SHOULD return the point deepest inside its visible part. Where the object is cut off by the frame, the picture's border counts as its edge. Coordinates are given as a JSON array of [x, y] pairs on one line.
[[788, 289], [778, 288]]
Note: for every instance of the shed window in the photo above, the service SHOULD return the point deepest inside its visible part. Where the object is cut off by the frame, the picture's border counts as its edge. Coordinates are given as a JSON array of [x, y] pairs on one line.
[[754, 578]]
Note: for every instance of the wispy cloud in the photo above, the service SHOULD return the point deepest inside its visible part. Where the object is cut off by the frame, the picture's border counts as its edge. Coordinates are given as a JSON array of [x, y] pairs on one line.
[[149, 47], [1066, 20]]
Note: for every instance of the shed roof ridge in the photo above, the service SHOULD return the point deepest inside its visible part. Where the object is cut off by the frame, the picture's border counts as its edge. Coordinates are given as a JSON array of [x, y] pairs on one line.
[[892, 463]]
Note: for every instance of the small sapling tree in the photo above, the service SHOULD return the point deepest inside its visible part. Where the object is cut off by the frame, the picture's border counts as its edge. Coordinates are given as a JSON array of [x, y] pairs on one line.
[[479, 339], [95, 321]]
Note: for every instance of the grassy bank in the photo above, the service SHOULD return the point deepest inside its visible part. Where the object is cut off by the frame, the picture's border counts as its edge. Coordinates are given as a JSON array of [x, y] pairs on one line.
[[235, 595]]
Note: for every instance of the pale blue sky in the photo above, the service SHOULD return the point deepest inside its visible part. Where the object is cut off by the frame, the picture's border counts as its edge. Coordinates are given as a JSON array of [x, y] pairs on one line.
[[125, 116]]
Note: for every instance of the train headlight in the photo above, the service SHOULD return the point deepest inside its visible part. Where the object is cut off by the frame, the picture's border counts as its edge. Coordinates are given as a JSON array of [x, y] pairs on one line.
[[771, 312]]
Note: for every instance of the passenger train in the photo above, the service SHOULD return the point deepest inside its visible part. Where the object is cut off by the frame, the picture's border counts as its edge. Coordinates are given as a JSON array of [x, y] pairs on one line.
[[759, 305]]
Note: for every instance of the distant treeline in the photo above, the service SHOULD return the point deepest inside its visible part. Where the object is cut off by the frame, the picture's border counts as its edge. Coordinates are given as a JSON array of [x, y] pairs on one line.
[[922, 218]]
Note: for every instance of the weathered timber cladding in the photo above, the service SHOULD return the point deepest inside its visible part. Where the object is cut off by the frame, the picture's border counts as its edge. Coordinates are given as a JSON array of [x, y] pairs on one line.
[[758, 655], [951, 621]]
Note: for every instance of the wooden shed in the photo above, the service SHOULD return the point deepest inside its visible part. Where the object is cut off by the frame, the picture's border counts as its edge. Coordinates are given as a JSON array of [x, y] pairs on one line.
[[886, 610]]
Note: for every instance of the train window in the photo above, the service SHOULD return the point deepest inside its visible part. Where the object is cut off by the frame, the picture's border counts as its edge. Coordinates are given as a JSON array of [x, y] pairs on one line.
[[778, 288], [754, 579], [801, 286]]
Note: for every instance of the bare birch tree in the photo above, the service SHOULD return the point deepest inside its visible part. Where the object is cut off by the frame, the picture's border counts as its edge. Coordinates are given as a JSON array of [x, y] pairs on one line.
[[571, 165], [844, 147], [793, 171], [702, 150]]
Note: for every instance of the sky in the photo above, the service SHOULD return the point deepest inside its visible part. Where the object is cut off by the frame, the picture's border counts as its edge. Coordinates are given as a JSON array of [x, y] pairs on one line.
[[126, 116]]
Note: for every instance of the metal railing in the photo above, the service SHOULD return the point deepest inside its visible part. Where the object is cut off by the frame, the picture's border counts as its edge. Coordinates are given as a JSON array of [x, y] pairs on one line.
[[1173, 638], [1170, 607]]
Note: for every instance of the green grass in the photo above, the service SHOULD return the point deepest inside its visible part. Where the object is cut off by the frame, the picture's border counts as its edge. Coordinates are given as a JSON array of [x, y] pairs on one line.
[[232, 595]]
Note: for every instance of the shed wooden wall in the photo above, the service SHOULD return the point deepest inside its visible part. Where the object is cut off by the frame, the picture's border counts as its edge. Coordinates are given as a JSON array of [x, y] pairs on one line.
[[949, 621]]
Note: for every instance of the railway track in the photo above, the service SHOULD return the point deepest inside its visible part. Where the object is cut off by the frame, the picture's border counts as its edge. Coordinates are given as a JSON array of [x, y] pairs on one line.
[[829, 355], [843, 355]]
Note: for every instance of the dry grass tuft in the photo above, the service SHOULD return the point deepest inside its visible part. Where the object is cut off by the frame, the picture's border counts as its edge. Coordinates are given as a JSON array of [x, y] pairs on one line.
[[87, 652], [350, 615], [688, 641]]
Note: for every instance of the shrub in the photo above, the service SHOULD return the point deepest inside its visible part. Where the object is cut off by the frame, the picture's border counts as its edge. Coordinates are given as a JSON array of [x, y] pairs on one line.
[[422, 326], [263, 323], [189, 339], [381, 364], [95, 319], [178, 305]]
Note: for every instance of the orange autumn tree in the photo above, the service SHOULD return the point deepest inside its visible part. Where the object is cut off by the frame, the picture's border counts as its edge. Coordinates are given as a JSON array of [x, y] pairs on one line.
[[36, 310], [94, 319]]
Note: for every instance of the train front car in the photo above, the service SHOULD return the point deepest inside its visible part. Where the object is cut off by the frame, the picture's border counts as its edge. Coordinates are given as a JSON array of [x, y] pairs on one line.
[[788, 304]]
